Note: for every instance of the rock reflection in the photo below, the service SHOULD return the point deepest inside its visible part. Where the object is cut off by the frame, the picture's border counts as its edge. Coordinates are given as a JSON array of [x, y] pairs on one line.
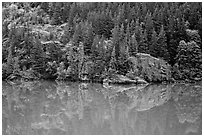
[[87, 108]]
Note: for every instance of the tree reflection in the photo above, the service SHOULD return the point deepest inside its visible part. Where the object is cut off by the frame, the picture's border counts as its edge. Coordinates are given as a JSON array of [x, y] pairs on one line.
[[88, 108]]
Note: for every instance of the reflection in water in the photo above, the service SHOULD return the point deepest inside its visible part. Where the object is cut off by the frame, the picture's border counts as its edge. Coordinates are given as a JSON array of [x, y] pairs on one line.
[[85, 108]]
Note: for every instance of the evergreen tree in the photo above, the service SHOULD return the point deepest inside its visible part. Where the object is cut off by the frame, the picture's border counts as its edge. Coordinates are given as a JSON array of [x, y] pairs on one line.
[[137, 30], [128, 34], [94, 46], [102, 24], [162, 45], [188, 61], [56, 16], [121, 15], [124, 49], [133, 46], [112, 65], [77, 34], [88, 36], [194, 36], [121, 33], [67, 35], [81, 59], [72, 14], [149, 25], [65, 11], [153, 44], [116, 38], [143, 43]]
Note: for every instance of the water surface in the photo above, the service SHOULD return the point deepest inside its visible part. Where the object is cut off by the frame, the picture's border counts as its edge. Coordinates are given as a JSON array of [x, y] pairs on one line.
[[45, 108]]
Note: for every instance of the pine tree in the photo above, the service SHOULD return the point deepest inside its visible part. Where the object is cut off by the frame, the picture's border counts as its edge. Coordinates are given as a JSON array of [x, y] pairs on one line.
[[162, 45], [65, 11], [196, 60], [153, 44], [95, 45], [143, 43], [121, 15], [77, 34], [124, 49], [68, 32], [81, 59], [121, 33], [72, 14], [88, 36], [137, 30], [128, 34], [188, 61], [116, 38], [133, 46], [194, 36], [102, 24], [149, 25], [112, 65]]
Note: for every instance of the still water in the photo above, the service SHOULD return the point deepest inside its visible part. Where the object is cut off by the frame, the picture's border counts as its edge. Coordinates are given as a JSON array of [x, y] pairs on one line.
[[85, 108]]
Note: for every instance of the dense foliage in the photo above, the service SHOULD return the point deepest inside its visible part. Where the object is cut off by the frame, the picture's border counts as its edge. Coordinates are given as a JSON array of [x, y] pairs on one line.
[[91, 40]]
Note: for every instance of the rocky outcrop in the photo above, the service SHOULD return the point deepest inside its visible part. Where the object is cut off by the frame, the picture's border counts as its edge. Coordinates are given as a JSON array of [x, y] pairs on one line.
[[149, 68], [121, 79]]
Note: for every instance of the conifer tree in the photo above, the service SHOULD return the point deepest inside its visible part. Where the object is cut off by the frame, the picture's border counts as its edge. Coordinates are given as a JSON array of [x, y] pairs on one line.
[[81, 59], [188, 61], [133, 46], [120, 16], [193, 36], [149, 25], [68, 32], [124, 49], [95, 45], [137, 30], [112, 65], [143, 43], [121, 33], [77, 34], [161, 50], [153, 44], [88, 36], [128, 34], [116, 38], [72, 14], [102, 24]]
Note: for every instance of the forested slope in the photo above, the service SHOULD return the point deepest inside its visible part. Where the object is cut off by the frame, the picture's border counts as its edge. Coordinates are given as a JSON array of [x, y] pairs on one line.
[[79, 41]]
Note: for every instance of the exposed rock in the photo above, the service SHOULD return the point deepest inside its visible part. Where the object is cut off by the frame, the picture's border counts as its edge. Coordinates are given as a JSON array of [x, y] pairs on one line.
[[150, 68], [121, 79], [141, 81]]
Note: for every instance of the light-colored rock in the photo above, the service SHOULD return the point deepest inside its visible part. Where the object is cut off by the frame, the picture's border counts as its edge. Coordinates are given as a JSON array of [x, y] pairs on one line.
[[121, 79], [150, 68]]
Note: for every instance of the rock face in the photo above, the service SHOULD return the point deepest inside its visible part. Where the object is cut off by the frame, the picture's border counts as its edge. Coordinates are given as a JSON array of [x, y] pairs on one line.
[[121, 79], [150, 68]]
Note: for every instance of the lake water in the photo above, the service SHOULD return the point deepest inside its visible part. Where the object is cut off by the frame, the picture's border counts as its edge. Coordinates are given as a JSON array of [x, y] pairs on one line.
[[85, 108]]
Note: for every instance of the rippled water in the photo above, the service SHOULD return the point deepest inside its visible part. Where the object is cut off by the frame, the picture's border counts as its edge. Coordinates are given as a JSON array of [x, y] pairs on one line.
[[84, 108]]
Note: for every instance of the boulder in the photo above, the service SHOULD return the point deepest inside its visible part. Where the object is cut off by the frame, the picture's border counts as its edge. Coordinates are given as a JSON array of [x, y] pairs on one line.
[[150, 68]]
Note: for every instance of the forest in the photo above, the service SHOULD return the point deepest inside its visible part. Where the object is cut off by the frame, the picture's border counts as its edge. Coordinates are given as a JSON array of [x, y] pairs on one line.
[[96, 41]]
